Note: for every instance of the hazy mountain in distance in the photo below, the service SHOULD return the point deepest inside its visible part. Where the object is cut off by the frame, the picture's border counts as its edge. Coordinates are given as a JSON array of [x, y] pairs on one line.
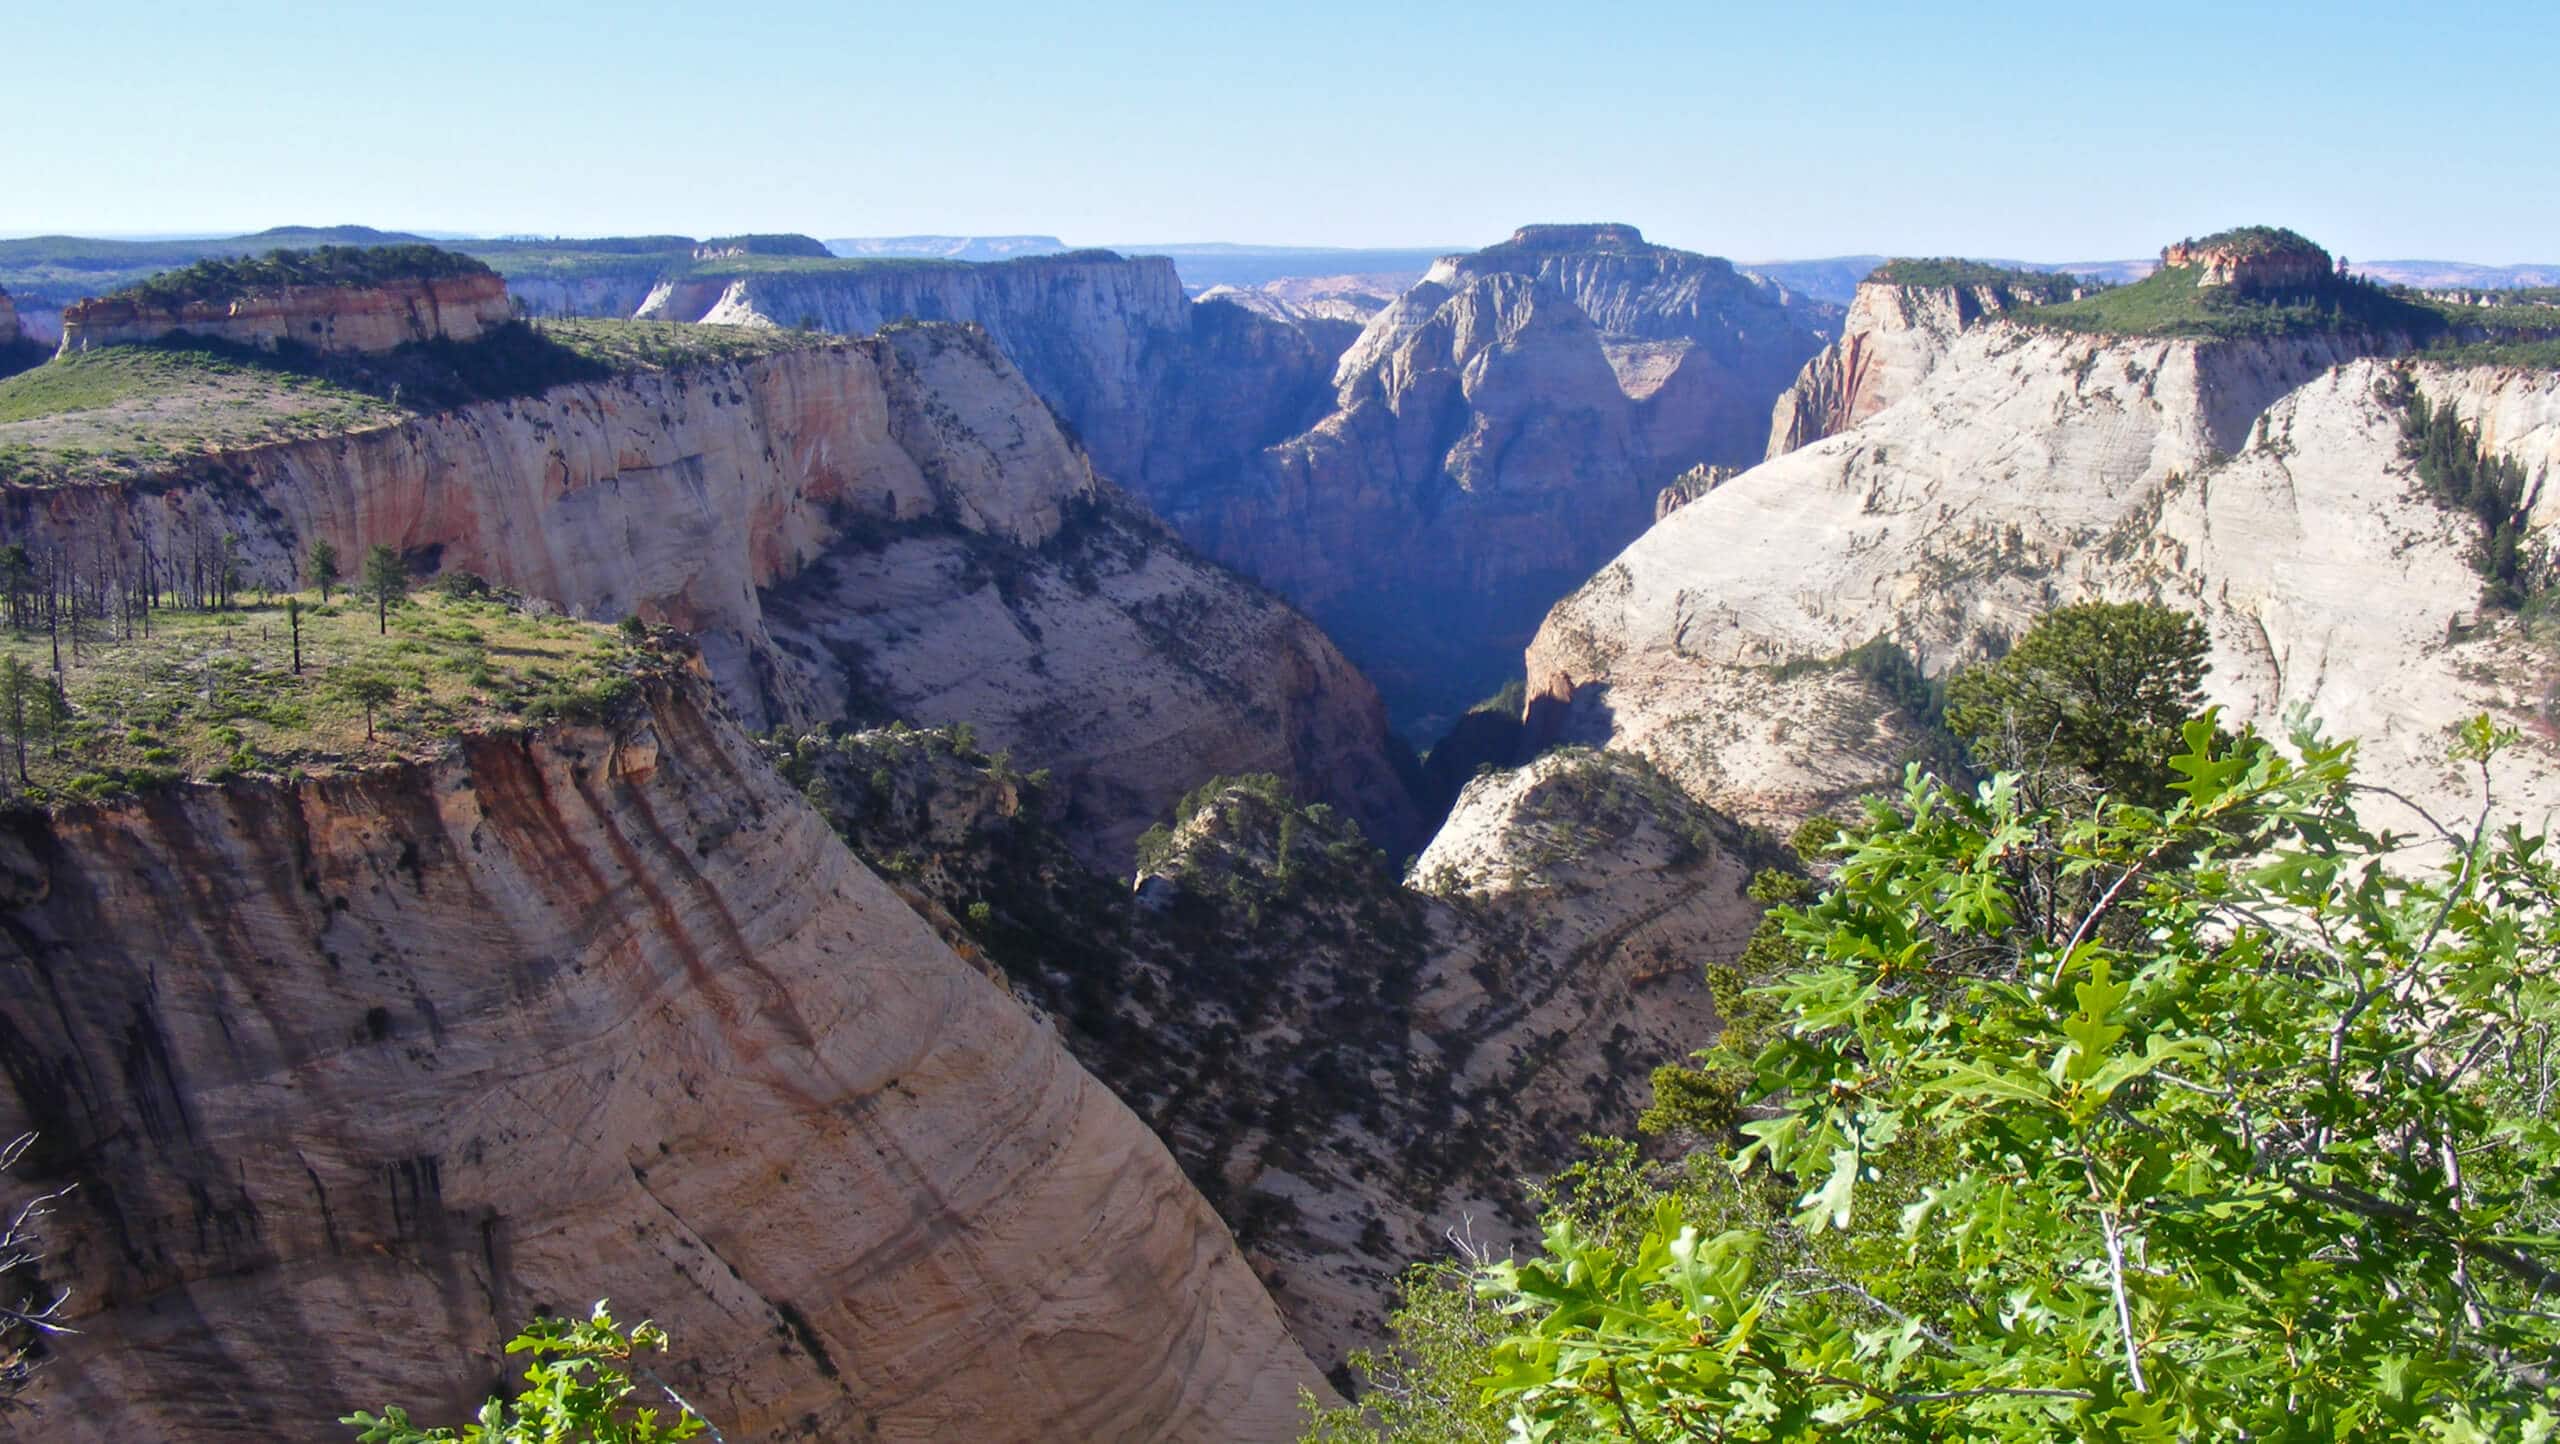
[[1204, 264], [1831, 278], [1834, 279], [2457, 275], [947, 248]]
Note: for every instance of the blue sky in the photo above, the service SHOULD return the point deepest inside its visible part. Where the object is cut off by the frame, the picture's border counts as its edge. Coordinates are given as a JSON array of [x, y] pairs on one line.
[[1778, 130]]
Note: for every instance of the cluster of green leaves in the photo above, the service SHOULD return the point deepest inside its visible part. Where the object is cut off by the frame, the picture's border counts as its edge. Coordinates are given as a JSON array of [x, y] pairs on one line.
[[2148, 1122], [2098, 690], [227, 278], [2462, 473], [584, 1384]]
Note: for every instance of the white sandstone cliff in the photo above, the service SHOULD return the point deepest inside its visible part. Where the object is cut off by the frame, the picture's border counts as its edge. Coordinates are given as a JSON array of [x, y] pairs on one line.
[[2258, 483], [866, 529], [353, 1075]]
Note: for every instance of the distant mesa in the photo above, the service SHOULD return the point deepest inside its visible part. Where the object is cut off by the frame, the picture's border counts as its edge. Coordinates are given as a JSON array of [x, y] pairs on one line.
[[946, 248], [730, 248], [1554, 239], [332, 299], [2253, 260]]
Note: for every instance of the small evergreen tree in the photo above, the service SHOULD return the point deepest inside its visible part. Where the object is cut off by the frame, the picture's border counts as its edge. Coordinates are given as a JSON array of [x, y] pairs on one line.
[[324, 567], [19, 689], [366, 688], [386, 584], [2098, 689]]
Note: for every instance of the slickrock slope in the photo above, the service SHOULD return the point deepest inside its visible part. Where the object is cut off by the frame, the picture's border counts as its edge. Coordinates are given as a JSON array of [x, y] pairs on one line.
[[1497, 431], [325, 318], [2258, 483], [1346, 1067], [892, 527], [1895, 334], [354, 1074]]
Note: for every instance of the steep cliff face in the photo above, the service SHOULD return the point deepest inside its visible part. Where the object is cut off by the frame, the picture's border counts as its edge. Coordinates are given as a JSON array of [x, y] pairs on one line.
[[1348, 1068], [356, 1073], [1894, 336], [367, 318], [1077, 326], [2517, 413], [596, 290], [1156, 387], [19, 350], [1497, 431], [2258, 483], [867, 529]]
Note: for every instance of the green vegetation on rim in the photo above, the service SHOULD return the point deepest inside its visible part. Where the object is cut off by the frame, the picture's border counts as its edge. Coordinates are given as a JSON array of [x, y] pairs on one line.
[[121, 411], [2257, 241], [1953, 271], [217, 279], [2169, 303], [2068, 1116], [2458, 471], [208, 694]]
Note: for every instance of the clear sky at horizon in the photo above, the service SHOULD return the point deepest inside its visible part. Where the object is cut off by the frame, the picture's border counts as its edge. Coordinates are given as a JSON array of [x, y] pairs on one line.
[[2394, 130]]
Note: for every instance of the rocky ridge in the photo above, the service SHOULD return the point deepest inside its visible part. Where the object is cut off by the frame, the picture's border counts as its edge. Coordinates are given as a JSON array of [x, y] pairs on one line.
[[2251, 261], [277, 1034], [868, 529], [370, 318], [2258, 482], [1894, 335], [1149, 382], [1348, 1068], [1496, 432]]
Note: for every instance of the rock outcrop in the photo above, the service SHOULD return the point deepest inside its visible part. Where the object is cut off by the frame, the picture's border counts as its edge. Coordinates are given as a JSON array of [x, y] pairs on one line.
[[368, 318], [892, 527], [1497, 431], [2259, 483], [1689, 485], [1895, 334], [730, 248], [355, 1074], [8, 320], [2254, 260], [1348, 1068]]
